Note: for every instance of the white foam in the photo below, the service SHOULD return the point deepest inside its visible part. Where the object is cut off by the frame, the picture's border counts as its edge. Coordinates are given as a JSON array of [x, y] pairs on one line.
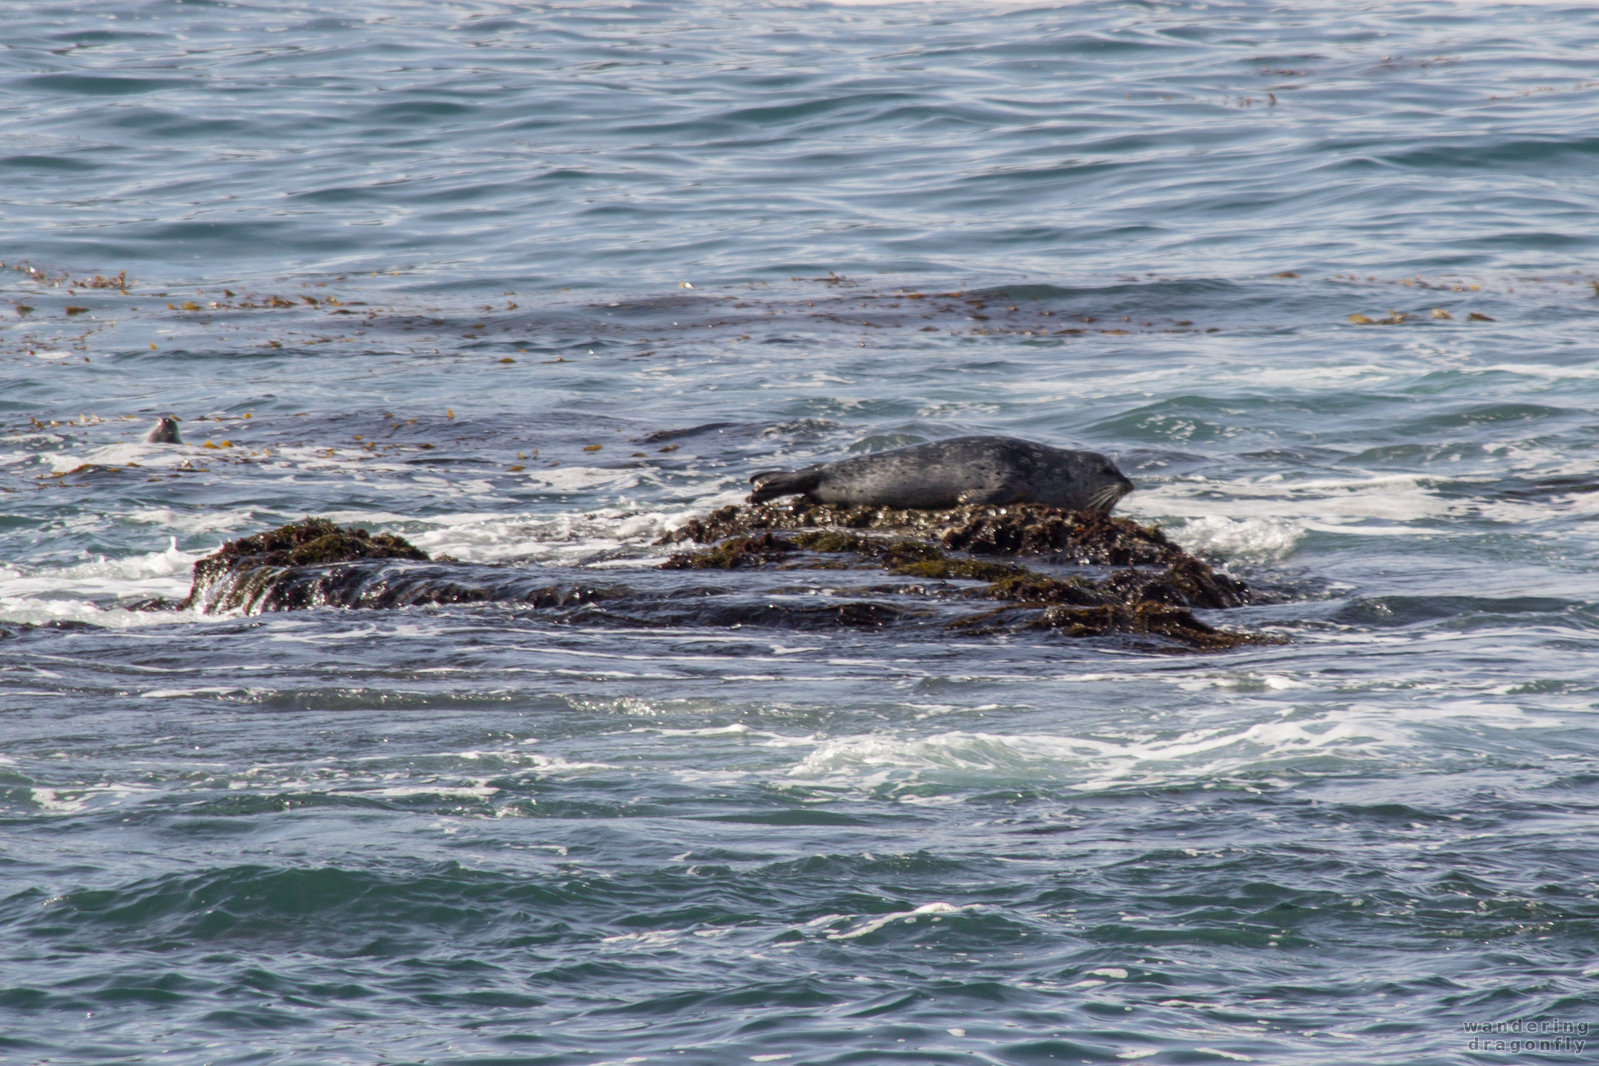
[[1548, 372], [873, 761], [365, 518], [198, 690], [655, 938], [736, 729], [559, 540], [84, 797], [1266, 520], [195, 522], [909, 917], [580, 478], [480, 790], [535, 764], [1253, 539], [1240, 681], [134, 454], [78, 592]]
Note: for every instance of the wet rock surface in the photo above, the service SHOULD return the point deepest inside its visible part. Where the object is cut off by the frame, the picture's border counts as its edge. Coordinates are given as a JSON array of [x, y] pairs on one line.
[[1079, 574], [985, 529], [973, 570], [258, 572]]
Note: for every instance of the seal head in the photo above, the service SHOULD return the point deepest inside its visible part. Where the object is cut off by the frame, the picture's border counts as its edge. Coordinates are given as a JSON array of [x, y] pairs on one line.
[[948, 473], [165, 431]]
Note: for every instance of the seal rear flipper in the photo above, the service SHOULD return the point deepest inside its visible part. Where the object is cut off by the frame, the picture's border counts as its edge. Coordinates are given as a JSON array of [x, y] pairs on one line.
[[770, 484]]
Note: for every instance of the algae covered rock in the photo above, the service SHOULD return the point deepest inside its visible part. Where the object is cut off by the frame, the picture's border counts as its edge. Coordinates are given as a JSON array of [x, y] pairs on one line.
[[1057, 575], [973, 570], [315, 563], [982, 529], [240, 573]]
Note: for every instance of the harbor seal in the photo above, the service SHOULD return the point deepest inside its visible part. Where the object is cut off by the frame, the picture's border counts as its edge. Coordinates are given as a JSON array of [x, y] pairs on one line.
[[948, 473], [165, 431]]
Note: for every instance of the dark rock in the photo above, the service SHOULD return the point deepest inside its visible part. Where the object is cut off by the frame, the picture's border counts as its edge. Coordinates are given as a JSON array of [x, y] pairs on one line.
[[240, 573], [732, 552], [1056, 576], [1150, 595]]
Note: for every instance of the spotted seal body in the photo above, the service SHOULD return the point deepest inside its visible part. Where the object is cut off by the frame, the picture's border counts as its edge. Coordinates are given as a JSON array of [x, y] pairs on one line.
[[948, 473]]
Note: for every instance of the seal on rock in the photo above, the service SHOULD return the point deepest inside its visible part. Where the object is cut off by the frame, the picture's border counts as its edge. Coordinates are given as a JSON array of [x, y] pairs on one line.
[[165, 431], [948, 473]]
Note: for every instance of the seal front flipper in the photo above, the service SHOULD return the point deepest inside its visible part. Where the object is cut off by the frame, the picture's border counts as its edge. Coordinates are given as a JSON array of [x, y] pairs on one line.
[[770, 484]]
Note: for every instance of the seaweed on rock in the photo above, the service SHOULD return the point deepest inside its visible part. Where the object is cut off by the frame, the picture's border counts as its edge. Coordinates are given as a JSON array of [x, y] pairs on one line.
[[1151, 593], [973, 570], [246, 573], [1086, 538]]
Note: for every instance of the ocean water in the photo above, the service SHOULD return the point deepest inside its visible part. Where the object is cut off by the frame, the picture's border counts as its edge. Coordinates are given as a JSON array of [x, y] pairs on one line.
[[534, 285]]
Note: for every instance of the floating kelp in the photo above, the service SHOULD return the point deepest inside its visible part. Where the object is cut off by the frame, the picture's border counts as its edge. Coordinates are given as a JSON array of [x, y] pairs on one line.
[[781, 567]]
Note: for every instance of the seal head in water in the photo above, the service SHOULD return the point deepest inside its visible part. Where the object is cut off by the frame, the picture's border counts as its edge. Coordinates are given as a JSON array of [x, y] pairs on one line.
[[165, 431], [948, 473]]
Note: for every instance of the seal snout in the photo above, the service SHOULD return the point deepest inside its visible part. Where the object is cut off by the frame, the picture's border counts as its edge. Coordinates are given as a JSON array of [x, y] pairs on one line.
[[1122, 487], [1105, 499], [1106, 485]]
